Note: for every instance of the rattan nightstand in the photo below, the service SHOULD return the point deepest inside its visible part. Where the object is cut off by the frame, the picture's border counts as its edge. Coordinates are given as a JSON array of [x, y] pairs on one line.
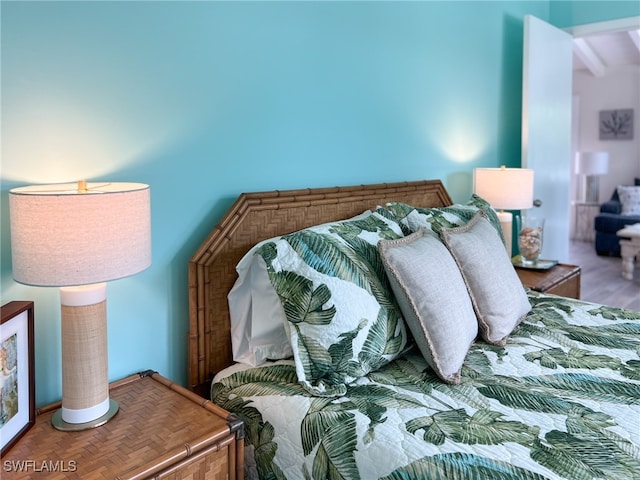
[[561, 279], [161, 431]]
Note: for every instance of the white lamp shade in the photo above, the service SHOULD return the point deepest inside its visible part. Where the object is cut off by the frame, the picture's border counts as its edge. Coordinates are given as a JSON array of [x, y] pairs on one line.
[[505, 188], [592, 163], [63, 237]]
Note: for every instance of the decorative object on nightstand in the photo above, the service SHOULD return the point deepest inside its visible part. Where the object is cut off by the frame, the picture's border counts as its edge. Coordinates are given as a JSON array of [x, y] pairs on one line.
[[530, 237], [168, 432], [505, 189], [77, 237], [591, 165]]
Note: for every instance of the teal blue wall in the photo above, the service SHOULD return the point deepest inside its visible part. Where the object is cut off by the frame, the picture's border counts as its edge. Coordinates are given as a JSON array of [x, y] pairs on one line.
[[205, 100], [567, 14]]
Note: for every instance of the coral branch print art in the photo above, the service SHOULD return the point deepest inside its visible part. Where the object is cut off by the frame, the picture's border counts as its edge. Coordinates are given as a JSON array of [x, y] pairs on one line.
[[616, 124]]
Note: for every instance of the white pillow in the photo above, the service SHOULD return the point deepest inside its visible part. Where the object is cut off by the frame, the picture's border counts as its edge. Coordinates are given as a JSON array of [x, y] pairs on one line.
[[433, 298], [257, 318], [630, 199], [498, 296], [341, 315]]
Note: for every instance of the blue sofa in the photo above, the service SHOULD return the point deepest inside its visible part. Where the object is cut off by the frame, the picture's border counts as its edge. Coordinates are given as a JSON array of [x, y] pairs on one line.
[[608, 222]]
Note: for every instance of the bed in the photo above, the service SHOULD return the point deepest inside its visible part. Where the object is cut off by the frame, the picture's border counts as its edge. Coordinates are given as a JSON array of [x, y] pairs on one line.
[[553, 394]]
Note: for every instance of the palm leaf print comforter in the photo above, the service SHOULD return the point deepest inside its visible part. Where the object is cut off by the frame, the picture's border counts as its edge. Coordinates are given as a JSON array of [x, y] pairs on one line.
[[560, 401]]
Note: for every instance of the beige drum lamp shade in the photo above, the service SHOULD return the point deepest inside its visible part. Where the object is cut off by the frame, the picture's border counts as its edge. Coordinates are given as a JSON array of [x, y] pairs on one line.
[[60, 237], [505, 189]]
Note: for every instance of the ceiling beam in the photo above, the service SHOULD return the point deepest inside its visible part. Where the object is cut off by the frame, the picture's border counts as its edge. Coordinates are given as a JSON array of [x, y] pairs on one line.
[[635, 38], [588, 57], [619, 25]]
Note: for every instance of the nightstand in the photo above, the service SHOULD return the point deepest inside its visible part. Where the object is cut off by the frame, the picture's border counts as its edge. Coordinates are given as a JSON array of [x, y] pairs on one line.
[[561, 279], [161, 431]]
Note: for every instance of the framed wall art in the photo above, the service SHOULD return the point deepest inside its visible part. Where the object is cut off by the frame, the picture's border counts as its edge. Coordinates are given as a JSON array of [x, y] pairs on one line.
[[616, 124], [17, 380]]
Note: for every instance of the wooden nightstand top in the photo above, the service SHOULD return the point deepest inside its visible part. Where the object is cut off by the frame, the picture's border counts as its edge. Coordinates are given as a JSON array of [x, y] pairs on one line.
[[160, 425], [561, 279]]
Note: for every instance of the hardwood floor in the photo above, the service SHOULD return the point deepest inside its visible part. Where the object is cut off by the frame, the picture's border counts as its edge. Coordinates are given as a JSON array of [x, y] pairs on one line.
[[602, 280]]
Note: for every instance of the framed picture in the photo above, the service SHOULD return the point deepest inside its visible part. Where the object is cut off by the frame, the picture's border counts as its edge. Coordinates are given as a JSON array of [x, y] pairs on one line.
[[17, 380], [616, 124]]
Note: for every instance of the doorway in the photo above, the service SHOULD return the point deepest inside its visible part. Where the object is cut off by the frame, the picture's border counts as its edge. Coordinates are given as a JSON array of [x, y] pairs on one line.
[[548, 145], [606, 75]]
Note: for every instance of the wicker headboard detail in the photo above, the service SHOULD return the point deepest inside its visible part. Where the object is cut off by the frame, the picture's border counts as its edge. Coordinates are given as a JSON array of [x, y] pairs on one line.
[[259, 216]]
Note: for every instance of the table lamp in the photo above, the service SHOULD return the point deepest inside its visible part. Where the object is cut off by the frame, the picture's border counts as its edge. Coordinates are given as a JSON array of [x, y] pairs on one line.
[[592, 165], [505, 189], [77, 237]]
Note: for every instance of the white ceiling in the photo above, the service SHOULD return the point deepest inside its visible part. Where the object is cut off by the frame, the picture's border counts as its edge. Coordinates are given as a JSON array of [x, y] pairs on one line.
[[599, 52]]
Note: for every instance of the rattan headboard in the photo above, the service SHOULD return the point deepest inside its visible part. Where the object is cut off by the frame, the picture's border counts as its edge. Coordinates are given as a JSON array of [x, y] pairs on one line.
[[258, 216]]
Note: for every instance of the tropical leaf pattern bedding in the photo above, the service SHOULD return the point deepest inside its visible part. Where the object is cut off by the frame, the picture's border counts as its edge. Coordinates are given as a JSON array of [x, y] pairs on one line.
[[560, 401]]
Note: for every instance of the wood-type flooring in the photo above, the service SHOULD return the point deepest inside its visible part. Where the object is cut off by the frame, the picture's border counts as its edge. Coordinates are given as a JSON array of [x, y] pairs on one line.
[[601, 278]]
